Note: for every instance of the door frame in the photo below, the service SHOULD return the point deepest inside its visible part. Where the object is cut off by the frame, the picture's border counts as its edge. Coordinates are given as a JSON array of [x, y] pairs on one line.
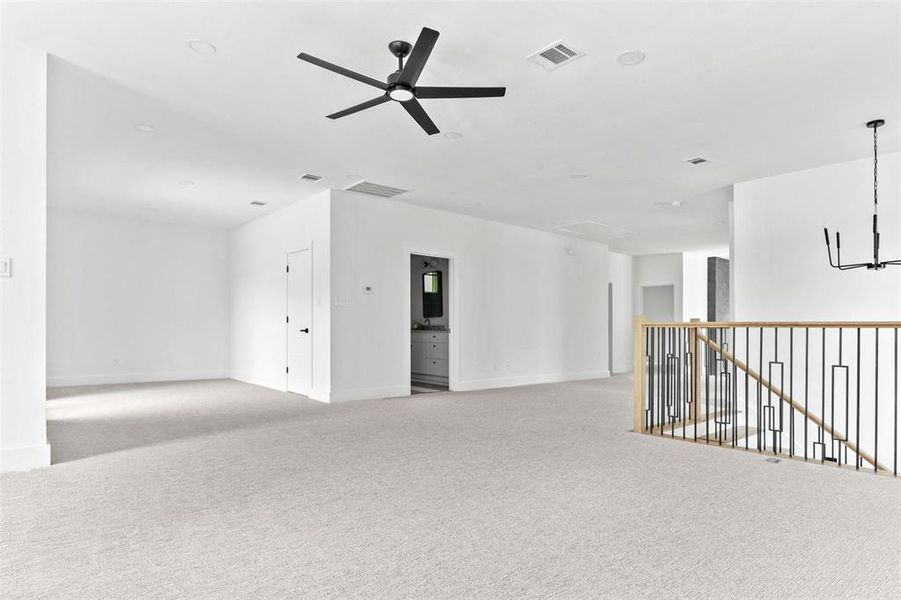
[[309, 249], [676, 299], [453, 307]]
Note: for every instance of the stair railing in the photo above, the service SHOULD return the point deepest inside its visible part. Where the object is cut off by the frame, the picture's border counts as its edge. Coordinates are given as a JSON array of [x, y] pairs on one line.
[[823, 391]]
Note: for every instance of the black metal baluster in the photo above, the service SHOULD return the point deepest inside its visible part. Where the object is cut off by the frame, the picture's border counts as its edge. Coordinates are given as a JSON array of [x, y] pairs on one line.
[[806, 382], [876, 407], [791, 390], [649, 352], [734, 391], [857, 459], [761, 435], [821, 433], [707, 390], [747, 362]]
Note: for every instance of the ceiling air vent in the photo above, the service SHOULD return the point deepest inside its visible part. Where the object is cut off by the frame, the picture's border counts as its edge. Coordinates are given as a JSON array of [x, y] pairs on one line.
[[555, 55], [375, 189], [697, 160], [310, 177], [257, 203]]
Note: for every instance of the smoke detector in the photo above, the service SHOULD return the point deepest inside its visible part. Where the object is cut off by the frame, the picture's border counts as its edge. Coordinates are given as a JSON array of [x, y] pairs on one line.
[[553, 56]]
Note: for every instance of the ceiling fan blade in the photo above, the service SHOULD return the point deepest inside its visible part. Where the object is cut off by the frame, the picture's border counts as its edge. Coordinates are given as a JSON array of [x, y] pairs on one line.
[[417, 112], [460, 92], [418, 57], [359, 107], [342, 71]]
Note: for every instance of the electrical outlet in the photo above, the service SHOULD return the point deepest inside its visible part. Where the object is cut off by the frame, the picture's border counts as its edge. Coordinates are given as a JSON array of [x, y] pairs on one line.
[[6, 266]]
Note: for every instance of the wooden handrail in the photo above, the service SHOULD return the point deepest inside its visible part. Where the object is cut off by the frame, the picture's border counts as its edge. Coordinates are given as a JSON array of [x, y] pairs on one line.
[[816, 420], [694, 324]]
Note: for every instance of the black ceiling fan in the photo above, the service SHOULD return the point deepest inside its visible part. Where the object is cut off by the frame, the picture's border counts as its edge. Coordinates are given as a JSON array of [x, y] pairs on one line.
[[401, 85]]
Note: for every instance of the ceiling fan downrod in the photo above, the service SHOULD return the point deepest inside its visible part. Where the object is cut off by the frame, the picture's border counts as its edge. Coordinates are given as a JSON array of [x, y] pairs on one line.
[[876, 265]]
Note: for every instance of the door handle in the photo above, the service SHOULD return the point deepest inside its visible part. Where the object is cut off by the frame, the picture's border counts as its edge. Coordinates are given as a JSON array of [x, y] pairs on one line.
[[305, 330]]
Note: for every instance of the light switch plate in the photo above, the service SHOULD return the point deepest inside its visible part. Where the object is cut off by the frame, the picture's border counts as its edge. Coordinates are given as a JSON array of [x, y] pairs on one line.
[[6, 266]]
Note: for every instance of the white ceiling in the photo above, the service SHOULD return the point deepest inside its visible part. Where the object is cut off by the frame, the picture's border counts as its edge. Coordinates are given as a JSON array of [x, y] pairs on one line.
[[758, 88]]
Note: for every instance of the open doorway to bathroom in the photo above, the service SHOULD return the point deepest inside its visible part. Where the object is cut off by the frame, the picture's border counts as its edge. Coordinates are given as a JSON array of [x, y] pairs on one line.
[[429, 323]]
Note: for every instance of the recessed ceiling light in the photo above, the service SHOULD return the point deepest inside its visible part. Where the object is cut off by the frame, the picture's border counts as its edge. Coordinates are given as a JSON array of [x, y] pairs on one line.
[[676, 204], [185, 182], [202, 47], [145, 127], [257, 203], [453, 135], [630, 58], [578, 176]]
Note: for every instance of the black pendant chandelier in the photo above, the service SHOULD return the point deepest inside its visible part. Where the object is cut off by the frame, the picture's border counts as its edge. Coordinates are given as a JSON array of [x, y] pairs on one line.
[[875, 265]]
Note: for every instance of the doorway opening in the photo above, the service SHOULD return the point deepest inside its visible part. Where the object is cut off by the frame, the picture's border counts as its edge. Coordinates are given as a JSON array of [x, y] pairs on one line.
[[659, 303], [429, 323]]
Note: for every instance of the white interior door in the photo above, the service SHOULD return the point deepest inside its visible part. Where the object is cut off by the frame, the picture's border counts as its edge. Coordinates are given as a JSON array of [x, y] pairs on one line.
[[299, 322]]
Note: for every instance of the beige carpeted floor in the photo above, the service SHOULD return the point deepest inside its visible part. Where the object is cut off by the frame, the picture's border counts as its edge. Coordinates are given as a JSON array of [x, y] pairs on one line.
[[225, 490]]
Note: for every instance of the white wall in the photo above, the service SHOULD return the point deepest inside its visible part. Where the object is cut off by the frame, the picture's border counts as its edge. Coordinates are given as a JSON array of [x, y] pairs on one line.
[[23, 219], [653, 270], [694, 281], [131, 300], [259, 293], [523, 310], [780, 265], [620, 272]]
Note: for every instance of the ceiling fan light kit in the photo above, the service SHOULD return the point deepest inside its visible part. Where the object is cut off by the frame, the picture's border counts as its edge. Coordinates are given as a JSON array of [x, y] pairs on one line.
[[876, 265], [401, 87]]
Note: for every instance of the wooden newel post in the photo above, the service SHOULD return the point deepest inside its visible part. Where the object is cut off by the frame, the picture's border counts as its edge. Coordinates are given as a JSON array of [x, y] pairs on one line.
[[695, 371], [638, 350]]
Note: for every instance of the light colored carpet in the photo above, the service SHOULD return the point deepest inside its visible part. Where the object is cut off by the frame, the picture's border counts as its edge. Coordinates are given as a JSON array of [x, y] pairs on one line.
[[225, 490]]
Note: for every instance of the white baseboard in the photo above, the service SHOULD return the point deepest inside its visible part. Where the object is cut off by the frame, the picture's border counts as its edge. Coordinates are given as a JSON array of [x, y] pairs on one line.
[[110, 378], [272, 384], [24, 458], [501, 382], [369, 393], [280, 385]]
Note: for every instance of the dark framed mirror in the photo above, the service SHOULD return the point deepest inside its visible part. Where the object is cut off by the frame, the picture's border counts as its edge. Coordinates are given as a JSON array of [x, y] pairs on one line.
[[432, 295]]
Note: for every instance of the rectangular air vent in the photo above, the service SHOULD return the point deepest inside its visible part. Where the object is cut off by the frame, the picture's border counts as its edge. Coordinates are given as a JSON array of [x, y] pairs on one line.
[[375, 189], [257, 203], [310, 177], [697, 160], [555, 55]]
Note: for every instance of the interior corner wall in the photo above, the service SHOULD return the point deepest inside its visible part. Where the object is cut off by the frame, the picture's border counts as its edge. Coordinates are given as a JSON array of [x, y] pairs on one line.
[[23, 236], [131, 300], [531, 306], [620, 269], [780, 266], [258, 253], [656, 270]]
